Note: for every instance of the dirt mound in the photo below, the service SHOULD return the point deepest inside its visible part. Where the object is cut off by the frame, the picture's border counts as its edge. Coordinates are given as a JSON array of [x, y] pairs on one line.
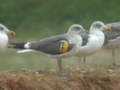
[[74, 78]]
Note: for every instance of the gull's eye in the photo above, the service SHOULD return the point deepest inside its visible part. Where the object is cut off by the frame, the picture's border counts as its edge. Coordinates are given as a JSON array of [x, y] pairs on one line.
[[1, 28], [98, 25], [77, 28]]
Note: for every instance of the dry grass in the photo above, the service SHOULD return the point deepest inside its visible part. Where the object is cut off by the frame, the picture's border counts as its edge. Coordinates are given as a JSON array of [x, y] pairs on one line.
[[75, 78]]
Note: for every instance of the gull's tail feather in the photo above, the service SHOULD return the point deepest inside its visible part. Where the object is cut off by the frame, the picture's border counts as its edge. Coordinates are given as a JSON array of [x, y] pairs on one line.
[[24, 47], [25, 51], [17, 45]]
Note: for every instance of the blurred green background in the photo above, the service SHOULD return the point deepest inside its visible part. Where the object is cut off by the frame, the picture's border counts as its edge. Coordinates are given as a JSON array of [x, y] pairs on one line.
[[36, 19]]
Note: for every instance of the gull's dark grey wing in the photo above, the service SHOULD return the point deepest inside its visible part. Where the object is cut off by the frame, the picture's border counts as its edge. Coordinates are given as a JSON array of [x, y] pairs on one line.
[[85, 38], [54, 45]]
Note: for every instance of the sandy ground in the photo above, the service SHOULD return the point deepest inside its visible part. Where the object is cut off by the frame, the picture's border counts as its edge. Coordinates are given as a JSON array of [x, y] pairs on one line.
[[74, 78]]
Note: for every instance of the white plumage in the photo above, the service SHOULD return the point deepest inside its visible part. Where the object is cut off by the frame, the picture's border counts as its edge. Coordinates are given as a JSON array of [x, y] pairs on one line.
[[3, 41]]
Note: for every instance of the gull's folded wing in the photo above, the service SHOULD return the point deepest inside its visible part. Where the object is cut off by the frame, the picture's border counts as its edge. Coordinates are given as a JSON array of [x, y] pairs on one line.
[[54, 45]]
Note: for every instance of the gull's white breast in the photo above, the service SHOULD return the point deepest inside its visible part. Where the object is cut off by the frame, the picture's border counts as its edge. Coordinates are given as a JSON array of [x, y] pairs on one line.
[[94, 44], [3, 41]]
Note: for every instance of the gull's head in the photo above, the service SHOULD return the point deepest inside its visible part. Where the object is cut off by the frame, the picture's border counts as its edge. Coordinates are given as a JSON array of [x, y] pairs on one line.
[[6, 30], [76, 29], [99, 25]]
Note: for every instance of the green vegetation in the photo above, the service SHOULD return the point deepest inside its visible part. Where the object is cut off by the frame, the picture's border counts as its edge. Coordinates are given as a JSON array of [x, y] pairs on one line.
[[35, 19], [40, 18], [11, 60]]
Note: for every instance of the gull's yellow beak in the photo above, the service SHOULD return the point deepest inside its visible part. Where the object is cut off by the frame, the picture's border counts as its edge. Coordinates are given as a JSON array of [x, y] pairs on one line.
[[11, 33], [108, 28]]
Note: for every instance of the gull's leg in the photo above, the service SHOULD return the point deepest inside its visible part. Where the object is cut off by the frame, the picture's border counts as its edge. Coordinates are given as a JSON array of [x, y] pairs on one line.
[[84, 59], [113, 57], [79, 59], [59, 63]]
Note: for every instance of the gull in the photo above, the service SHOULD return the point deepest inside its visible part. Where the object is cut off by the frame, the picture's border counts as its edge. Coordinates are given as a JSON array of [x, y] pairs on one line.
[[94, 40], [113, 39], [58, 46], [4, 32]]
